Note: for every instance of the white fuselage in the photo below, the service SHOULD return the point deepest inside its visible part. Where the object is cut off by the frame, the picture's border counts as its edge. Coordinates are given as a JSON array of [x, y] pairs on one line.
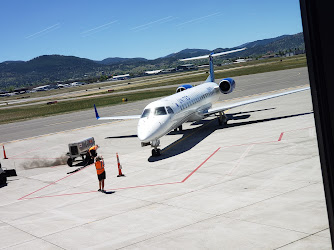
[[162, 116]]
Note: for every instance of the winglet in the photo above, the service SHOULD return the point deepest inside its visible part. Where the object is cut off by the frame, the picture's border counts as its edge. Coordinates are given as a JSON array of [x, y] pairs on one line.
[[96, 114]]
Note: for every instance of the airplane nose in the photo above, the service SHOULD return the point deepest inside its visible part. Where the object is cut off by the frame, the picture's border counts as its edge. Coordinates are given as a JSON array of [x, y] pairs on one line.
[[143, 131], [143, 134], [148, 130]]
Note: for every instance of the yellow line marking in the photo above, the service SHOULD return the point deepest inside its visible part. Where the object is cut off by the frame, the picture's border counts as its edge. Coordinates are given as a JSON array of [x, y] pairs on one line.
[[52, 124]]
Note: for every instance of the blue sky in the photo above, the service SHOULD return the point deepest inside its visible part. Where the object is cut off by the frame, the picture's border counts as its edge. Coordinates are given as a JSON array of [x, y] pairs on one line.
[[143, 28]]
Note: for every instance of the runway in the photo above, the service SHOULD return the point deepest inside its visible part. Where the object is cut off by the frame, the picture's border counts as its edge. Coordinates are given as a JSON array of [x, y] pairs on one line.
[[254, 184], [245, 86]]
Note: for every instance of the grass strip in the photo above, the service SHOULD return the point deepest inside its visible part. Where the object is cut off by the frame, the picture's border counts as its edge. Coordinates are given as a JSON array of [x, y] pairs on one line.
[[40, 110]]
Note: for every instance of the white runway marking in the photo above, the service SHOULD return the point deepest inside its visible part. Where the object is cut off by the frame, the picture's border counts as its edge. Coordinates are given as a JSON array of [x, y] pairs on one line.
[[237, 164]]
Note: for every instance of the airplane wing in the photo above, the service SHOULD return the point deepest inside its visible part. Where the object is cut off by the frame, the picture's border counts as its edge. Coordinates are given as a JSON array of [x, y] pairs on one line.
[[237, 104], [128, 117]]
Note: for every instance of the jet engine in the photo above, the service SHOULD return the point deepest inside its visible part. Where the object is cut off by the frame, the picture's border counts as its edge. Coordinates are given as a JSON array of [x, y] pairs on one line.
[[183, 87], [226, 85]]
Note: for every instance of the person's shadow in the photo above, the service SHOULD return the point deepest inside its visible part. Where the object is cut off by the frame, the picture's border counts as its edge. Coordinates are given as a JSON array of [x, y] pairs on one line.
[[109, 192]]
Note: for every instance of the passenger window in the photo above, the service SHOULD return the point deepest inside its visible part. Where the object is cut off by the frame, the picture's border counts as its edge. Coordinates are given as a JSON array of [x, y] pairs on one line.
[[169, 110], [146, 113], [160, 111]]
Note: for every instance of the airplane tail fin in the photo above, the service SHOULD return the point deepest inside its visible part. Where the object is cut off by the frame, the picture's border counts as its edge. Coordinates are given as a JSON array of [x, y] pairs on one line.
[[211, 77], [96, 114]]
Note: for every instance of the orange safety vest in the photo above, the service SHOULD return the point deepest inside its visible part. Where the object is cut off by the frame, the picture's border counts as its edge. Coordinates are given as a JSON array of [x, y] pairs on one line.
[[99, 167], [93, 148]]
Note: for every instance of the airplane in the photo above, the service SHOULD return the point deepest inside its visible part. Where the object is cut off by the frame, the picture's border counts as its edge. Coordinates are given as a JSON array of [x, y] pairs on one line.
[[186, 105]]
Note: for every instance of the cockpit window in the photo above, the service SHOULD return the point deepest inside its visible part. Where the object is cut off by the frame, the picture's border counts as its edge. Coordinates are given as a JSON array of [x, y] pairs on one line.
[[146, 113], [160, 111], [169, 110]]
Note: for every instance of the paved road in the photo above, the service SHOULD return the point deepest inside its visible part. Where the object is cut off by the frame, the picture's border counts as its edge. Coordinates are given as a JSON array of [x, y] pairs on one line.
[[245, 86]]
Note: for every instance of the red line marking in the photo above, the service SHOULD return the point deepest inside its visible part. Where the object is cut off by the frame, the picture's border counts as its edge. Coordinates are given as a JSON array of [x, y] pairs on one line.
[[46, 186], [56, 195], [299, 129], [44, 158], [280, 137], [24, 197], [159, 184], [108, 190], [150, 185], [251, 143], [200, 165]]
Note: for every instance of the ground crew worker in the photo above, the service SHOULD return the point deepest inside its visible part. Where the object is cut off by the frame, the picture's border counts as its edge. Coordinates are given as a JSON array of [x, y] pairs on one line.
[[91, 154], [101, 173], [92, 151]]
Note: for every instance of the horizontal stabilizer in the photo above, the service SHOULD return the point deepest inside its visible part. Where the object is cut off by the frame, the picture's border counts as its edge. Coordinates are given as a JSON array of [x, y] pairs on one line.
[[127, 117], [213, 55]]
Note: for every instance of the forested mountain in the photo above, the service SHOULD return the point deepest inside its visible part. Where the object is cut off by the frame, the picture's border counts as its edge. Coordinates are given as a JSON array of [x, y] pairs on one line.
[[117, 60], [51, 68]]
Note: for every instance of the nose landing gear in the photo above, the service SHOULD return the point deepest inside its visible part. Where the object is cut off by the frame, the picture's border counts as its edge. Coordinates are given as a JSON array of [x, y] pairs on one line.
[[155, 150]]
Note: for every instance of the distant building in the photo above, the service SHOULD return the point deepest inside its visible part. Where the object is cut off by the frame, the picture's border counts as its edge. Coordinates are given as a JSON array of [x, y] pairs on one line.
[[186, 67], [240, 60], [4, 93], [269, 56], [153, 72], [170, 70], [204, 66], [21, 90], [77, 83], [121, 77], [42, 88], [62, 85]]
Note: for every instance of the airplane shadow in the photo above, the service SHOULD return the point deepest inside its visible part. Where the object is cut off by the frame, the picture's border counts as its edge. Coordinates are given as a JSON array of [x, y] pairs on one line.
[[3, 185], [190, 139], [266, 120], [79, 164]]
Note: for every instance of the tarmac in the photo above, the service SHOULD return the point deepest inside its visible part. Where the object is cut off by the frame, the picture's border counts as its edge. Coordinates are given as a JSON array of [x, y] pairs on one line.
[[253, 184]]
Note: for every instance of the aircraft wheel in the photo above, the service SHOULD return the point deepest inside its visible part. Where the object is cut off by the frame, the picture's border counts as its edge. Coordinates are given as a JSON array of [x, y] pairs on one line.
[[222, 121], [70, 162], [156, 152], [180, 128]]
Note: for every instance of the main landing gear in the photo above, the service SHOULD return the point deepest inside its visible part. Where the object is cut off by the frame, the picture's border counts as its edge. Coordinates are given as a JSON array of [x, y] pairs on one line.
[[179, 127], [222, 119], [156, 151]]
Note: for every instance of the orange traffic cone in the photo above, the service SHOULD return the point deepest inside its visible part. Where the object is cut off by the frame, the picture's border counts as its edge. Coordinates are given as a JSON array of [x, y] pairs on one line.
[[119, 167], [4, 152]]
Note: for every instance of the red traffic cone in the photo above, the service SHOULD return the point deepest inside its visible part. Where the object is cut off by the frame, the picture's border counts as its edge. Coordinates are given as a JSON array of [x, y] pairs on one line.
[[4, 152], [119, 167]]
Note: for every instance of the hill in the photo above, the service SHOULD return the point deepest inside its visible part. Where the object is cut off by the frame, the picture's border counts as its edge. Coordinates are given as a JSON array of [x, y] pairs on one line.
[[117, 60], [52, 68]]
